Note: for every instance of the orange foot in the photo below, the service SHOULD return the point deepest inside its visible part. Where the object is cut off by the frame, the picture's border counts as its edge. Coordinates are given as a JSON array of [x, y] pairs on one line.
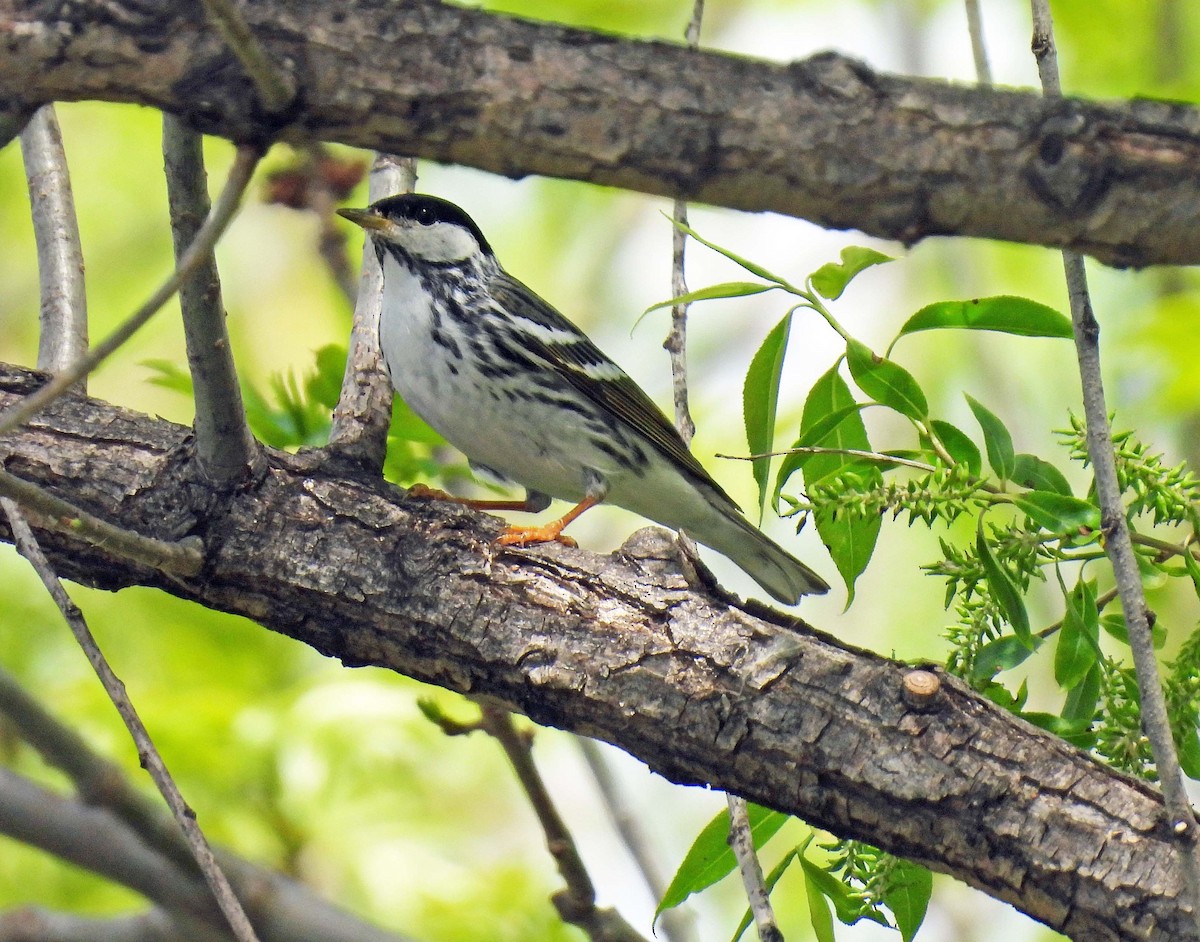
[[524, 536], [551, 532], [424, 492]]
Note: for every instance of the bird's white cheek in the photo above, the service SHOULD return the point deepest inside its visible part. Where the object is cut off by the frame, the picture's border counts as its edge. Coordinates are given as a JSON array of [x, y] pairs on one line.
[[439, 243]]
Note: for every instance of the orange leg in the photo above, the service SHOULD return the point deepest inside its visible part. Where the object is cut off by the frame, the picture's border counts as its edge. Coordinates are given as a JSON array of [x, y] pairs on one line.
[[422, 492], [547, 533]]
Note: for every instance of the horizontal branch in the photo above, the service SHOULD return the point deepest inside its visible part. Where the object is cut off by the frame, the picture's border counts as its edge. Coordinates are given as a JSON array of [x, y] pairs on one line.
[[620, 648], [825, 139]]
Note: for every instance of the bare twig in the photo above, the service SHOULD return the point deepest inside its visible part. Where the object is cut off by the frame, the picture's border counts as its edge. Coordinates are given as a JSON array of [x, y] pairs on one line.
[[676, 342], [677, 923], [742, 842], [184, 558], [225, 448], [33, 924], [577, 903], [364, 409], [275, 88], [201, 247], [28, 546], [63, 338], [983, 70], [1118, 545]]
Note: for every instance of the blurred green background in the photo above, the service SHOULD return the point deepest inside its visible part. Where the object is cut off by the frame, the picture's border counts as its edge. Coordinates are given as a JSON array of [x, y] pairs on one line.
[[333, 774]]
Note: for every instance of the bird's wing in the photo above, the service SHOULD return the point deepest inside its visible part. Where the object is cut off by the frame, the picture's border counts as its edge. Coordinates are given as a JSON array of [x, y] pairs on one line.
[[585, 366]]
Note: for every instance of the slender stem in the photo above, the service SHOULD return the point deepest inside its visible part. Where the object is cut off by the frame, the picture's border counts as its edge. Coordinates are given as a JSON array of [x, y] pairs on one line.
[[198, 251], [63, 337], [1155, 720], [225, 448], [742, 842], [576, 904], [983, 70], [275, 89], [28, 546], [677, 924], [184, 558]]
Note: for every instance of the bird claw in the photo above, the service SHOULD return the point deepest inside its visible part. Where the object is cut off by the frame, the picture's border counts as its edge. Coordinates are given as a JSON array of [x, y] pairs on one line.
[[425, 492], [525, 536]]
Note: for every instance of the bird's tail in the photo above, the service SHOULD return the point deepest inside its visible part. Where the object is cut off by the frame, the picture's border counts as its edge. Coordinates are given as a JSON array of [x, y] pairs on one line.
[[765, 561]]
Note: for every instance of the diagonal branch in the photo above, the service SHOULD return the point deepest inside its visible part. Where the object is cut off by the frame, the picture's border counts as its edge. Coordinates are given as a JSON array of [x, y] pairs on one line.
[[620, 648], [825, 139], [225, 447], [63, 337]]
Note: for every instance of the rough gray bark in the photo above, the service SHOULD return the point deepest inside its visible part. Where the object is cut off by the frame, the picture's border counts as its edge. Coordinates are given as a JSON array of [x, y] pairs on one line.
[[621, 648], [825, 139]]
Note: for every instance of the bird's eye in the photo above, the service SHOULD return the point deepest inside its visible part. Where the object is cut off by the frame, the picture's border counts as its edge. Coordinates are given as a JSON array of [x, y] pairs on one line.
[[425, 216]]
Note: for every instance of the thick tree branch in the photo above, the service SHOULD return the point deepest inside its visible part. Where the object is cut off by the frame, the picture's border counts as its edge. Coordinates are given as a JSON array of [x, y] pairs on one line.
[[620, 648], [826, 139]]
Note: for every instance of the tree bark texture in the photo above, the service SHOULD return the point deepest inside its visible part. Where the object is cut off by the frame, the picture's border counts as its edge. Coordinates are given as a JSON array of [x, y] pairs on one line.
[[622, 648], [826, 138]]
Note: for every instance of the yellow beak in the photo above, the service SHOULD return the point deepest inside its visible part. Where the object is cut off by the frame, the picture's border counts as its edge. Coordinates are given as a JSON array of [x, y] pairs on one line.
[[366, 218]]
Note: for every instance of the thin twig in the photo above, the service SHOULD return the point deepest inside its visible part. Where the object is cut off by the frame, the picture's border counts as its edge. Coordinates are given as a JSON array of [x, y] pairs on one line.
[[225, 448], [331, 238], [676, 342], [677, 923], [28, 546], [275, 88], [364, 409], [1155, 721], [577, 903], [227, 203], [34, 924], [742, 842], [184, 558], [63, 336], [983, 69]]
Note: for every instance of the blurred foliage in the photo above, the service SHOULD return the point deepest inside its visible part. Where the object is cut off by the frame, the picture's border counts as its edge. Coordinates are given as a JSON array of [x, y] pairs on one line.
[[336, 776]]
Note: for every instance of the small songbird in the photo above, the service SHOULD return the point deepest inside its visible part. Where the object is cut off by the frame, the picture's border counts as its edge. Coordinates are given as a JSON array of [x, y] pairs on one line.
[[528, 398]]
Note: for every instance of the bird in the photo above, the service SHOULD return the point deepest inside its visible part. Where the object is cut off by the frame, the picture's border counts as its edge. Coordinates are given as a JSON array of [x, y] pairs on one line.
[[530, 400]]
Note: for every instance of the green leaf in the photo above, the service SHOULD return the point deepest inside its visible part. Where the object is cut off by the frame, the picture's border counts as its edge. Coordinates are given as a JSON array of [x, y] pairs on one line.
[[1032, 472], [727, 289], [760, 402], [996, 440], [1114, 624], [1004, 590], [849, 539], [886, 382], [819, 913], [1006, 313], [769, 882], [1080, 705], [1000, 655], [1076, 732], [750, 266], [1189, 753], [812, 437], [1078, 640], [906, 894], [959, 446], [830, 280], [710, 857], [1057, 512]]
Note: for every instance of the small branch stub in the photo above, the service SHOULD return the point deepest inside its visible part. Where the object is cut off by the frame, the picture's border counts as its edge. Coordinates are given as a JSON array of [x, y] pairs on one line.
[[920, 689]]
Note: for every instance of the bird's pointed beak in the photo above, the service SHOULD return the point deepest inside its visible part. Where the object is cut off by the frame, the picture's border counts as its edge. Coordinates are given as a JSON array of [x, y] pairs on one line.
[[366, 218]]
